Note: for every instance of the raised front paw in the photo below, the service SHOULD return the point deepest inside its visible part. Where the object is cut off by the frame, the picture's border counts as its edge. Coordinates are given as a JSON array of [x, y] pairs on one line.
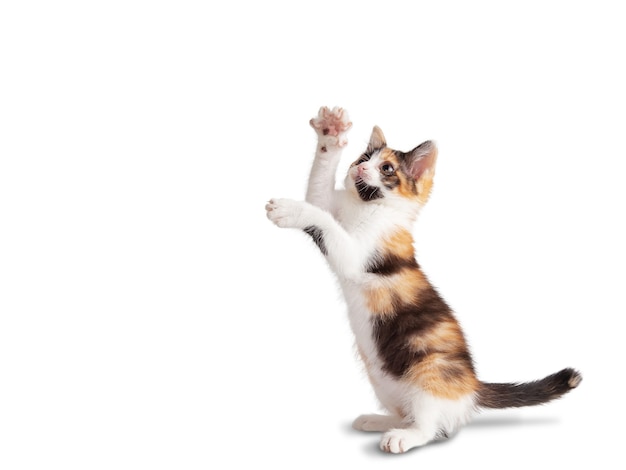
[[285, 212], [332, 125]]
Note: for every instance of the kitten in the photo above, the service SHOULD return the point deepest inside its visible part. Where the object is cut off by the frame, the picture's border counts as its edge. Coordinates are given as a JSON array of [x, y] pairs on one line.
[[412, 346]]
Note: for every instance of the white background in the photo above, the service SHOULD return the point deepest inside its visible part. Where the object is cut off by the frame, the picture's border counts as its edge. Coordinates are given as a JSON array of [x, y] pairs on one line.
[[150, 315]]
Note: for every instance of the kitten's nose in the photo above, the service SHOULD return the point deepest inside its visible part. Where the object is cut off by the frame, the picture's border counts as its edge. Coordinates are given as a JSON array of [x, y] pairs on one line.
[[360, 170]]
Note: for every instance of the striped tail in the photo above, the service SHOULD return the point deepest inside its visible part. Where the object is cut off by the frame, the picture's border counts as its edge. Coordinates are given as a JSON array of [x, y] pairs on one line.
[[512, 395]]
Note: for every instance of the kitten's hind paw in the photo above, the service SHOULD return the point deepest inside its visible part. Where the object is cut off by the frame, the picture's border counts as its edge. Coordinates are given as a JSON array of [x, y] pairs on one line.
[[332, 123], [376, 423]]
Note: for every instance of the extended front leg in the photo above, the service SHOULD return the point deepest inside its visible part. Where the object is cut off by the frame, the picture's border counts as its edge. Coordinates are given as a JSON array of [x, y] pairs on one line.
[[331, 126], [340, 249]]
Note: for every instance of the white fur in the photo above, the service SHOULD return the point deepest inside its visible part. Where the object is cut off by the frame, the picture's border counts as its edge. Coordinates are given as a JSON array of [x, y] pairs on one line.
[[352, 229], [433, 417]]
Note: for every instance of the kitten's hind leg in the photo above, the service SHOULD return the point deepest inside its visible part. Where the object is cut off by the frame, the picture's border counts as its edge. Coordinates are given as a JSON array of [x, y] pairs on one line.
[[430, 418], [376, 423]]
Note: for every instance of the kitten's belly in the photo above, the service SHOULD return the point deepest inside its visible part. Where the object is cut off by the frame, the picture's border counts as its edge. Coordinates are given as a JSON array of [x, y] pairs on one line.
[[389, 391]]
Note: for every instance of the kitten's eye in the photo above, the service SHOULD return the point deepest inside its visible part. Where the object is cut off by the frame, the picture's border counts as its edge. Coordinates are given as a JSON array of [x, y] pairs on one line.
[[387, 169], [363, 159]]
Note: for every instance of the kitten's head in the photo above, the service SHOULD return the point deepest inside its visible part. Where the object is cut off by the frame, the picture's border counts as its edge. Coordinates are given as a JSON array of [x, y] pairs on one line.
[[381, 172]]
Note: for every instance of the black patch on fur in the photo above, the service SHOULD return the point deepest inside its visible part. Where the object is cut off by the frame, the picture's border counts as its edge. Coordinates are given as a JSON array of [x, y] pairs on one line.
[[390, 264], [366, 192], [371, 151], [459, 363], [401, 156], [318, 237], [390, 181], [392, 333], [362, 159]]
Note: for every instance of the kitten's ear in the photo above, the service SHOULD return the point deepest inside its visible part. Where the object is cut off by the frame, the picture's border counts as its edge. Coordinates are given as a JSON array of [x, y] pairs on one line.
[[377, 139], [421, 160]]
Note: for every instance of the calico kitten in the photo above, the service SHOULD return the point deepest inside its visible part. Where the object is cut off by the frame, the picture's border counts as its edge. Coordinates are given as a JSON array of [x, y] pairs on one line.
[[412, 346]]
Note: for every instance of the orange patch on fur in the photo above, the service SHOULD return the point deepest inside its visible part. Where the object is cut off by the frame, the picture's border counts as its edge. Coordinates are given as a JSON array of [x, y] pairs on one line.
[[408, 284], [400, 243], [445, 336], [380, 300], [442, 373], [388, 292], [391, 292], [425, 185], [443, 376], [407, 188]]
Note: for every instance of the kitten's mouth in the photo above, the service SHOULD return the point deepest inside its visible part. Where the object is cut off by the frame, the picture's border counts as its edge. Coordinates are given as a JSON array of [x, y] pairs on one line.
[[366, 191]]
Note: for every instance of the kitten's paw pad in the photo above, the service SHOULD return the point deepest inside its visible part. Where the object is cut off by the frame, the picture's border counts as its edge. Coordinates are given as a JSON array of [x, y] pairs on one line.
[[398, 441], [284, 212], [332, 123], [376, 423]]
